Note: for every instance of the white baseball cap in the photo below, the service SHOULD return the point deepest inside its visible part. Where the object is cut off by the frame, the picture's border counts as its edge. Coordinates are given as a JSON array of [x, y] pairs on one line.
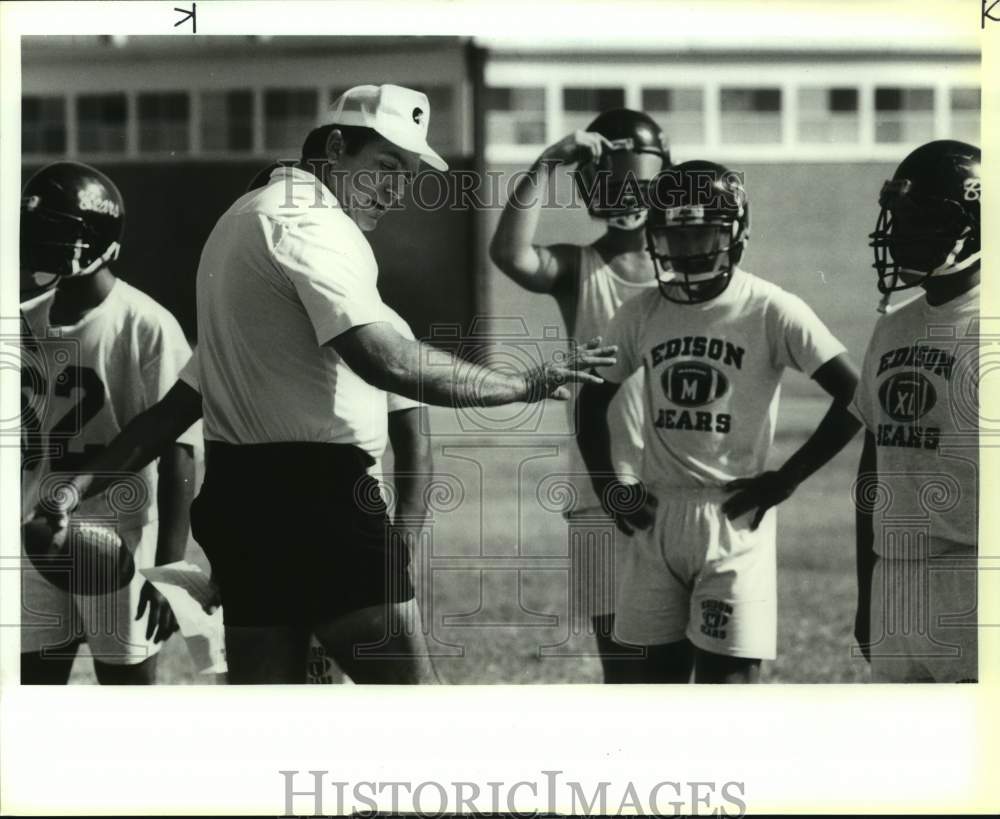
[[399, 114]]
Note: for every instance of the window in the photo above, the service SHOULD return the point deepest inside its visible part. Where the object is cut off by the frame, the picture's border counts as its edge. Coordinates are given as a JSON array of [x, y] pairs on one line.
[[515, 116], [828, 115], [965, 115], [750, 115], [101, 123], [163, 122], [289, 115], [904, 114], [678, 111], [227, 121], [43, 125], [582, 105]]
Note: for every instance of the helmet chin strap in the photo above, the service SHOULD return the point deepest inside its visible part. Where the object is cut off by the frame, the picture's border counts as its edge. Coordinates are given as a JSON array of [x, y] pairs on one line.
[[630, 221], [108, 255]]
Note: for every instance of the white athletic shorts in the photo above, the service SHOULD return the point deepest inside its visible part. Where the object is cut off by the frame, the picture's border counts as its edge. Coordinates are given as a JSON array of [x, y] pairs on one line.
[[924, 619], [52, 619], [696, 574]]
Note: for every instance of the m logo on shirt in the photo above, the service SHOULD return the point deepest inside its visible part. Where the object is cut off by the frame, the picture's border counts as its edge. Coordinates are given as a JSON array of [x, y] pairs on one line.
[[907, 396], [693, 383]]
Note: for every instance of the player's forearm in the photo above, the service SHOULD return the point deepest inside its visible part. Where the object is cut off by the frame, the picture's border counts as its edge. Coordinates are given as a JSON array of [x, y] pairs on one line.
[[175, 491], [512, 248], [145, 438], [834, 432], [866, 489], [593, 436], [413, 465]]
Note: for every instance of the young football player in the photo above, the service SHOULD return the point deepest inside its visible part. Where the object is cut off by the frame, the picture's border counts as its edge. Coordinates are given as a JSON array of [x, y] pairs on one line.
[[917, 504], [616, 157], [152, 432], [698, 586], [103, 353]]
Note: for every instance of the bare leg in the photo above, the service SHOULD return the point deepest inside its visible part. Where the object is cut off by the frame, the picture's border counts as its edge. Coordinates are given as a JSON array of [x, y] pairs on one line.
[[717, 668], [143, 673], [52, 668], [262, 655], [380, 644]]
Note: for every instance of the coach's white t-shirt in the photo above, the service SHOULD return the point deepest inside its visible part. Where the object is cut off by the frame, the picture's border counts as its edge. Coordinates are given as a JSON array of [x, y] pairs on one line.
[[283, 272], [93, 378], [713, 376], [919, 397]]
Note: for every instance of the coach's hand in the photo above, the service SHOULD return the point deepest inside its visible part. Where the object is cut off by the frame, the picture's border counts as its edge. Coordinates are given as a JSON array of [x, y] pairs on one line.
[[760, 492], [549, 380], [580, 146], [630, 504], [162, 622]]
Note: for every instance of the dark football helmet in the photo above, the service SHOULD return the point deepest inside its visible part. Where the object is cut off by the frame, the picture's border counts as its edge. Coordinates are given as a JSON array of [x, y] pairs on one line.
[[698, 228], [614, 186], [72, 218], [928, 222]]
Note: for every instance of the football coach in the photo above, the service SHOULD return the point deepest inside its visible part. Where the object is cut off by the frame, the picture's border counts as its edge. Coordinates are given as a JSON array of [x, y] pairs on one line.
[[293, 351]]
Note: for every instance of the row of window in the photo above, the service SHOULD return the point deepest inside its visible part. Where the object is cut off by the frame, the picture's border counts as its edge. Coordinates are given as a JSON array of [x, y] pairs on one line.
[[226, 120], [166, 122], [824, 115]]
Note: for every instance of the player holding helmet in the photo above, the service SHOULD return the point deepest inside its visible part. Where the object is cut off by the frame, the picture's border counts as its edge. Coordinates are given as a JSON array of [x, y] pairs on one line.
[[616, 157], [919, 400], [130, 351], [698, 587]]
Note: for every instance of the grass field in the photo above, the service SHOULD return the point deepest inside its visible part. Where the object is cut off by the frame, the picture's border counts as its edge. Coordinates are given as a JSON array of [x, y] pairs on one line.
[[498, 618]]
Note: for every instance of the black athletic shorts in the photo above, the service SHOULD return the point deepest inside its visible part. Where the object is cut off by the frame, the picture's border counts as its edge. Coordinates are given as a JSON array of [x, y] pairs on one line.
[[297, 533]]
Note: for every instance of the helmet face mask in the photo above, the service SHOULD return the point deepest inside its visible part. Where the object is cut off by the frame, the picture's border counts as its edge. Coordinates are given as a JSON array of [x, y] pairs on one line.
[[928, 223], [698, 228], [614, 185], [72, 218]]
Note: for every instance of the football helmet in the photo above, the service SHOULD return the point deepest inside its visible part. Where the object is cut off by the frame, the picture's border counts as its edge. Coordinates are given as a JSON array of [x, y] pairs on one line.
[[698, 228], [928, 222], [72, 219], [614, 185]]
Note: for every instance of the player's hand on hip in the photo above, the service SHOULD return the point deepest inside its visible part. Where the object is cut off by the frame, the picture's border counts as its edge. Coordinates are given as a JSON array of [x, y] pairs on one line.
[[630, 504], [760, 492], [162, 622], [580, 146], [550, 380]]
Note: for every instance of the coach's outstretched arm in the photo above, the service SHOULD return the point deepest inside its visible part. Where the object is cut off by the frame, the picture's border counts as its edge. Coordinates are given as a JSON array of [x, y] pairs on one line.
[[539, 268], [630, 504], [391, 362], [839, 378]]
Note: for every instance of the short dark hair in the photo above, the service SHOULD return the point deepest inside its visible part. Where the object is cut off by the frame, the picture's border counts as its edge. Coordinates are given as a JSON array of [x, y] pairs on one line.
[[355, 138]]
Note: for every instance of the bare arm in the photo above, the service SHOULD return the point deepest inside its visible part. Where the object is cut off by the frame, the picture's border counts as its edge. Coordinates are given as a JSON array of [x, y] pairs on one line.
[[174, 493], [393, 363], [865, 542], [413, 464], [839, 378], [145, 438], [539, 268]]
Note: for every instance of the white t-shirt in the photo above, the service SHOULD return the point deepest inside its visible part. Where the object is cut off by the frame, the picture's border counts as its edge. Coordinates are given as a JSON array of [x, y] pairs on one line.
[[283, 272], [919, 397], [394, 402], [713, 376], [600, 292], [93, 377]]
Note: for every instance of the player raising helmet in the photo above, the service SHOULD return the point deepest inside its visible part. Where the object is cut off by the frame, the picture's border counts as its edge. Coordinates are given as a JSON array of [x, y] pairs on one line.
[[615, 159], [919, 400], [698, 583]]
